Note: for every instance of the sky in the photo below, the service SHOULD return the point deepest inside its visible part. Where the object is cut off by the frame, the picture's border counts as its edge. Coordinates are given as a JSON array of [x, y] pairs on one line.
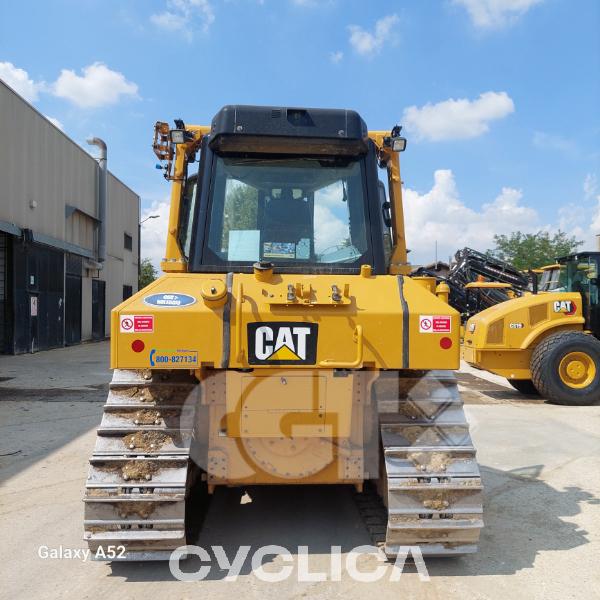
[[499, 99]]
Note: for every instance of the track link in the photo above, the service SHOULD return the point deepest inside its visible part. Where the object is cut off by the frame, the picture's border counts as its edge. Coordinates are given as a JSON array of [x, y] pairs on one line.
[[430, 480], [139, 476]]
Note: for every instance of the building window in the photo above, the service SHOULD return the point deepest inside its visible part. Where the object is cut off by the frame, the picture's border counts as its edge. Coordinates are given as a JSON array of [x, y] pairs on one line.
[[127, 292], [128, 242]]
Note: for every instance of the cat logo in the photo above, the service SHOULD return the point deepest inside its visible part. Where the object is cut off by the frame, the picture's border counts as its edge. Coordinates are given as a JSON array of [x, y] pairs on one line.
[[282, 343], [567, 307]]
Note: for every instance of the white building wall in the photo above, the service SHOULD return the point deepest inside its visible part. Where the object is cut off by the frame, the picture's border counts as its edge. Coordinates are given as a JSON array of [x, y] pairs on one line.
[[42, 171]]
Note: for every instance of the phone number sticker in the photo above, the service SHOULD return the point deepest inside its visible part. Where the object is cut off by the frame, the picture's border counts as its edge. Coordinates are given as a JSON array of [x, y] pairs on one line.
[[173, 357]]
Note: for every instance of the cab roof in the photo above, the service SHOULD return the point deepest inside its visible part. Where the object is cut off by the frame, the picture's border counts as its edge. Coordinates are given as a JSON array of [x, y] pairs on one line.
[[280, 129], [578, 255]]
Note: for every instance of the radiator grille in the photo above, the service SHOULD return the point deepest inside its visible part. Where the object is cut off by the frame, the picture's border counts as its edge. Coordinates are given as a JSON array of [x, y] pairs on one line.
[[495, 334], [538, 313]]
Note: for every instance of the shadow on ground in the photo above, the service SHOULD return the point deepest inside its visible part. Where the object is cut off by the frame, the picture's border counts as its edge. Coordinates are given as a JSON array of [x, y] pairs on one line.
[[524, 516], [481, 391], [34, 423]]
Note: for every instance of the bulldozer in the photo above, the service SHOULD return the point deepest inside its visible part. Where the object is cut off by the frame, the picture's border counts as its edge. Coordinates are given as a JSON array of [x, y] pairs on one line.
[[285, 343], [547, 342]]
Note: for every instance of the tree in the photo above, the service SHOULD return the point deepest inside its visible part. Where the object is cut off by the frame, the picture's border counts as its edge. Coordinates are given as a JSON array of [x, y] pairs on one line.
[[148, 273], [240, 210], [532, 250]]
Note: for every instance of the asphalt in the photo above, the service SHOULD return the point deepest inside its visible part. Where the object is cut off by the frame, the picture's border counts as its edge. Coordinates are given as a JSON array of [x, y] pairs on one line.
[[540, 465]]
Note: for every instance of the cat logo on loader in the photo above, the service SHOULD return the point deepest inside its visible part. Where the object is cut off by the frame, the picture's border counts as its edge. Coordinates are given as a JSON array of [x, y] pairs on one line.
[[567, 307]]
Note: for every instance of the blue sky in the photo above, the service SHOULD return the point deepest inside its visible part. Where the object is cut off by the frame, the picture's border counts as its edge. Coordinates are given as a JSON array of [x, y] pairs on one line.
[[499, 98]]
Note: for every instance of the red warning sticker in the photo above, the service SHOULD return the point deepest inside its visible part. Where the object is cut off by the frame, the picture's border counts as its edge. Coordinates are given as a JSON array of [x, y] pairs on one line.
[[435, 324], [137, 323]]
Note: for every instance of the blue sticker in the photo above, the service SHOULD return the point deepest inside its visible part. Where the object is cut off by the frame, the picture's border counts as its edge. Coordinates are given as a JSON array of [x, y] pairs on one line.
[[169, 300]]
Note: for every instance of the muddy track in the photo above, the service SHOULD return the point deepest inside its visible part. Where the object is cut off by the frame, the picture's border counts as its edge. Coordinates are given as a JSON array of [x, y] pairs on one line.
[[429, 492], [140, 473]]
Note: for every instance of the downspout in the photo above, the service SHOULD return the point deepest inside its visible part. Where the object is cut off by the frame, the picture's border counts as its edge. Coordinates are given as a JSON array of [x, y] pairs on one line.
[[102, 196]]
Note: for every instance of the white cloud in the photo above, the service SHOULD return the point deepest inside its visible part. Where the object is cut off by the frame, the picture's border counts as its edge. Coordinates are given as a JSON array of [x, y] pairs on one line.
[[590, 186], [20, 82], [330, 230], [154, 232], [595, 226], [336, 57], [457, 119], [55, 122], [98, 86], [185, 16], [440, 215], [552, 141], [169, 21], [369, 43], [493, 14]]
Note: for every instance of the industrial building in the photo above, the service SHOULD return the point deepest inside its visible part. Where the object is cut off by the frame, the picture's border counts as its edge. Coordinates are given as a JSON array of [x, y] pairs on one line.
[[69, 230]]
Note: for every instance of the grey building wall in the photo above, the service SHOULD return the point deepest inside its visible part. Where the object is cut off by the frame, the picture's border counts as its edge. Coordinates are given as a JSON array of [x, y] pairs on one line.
[[49, 186]]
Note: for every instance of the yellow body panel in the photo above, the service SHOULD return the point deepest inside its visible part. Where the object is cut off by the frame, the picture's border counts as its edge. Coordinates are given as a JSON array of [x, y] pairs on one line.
[[293, 403], [372, 304], [253, 438], [501, 339]]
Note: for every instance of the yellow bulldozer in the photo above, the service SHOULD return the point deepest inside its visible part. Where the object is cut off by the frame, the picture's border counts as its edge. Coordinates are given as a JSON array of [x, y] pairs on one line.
[[285, 344], [545, 342]]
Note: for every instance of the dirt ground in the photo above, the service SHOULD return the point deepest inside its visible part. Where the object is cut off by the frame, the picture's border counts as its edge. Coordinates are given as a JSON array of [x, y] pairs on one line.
[[540, 465]]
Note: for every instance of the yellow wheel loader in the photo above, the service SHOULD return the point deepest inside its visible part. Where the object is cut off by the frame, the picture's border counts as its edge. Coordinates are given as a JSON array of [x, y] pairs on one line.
[[285, 344], [546, 342]]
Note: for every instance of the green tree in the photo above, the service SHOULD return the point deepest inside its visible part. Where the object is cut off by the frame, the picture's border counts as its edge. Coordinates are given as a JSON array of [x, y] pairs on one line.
[[533, 250], [240, 210], [148, 273]]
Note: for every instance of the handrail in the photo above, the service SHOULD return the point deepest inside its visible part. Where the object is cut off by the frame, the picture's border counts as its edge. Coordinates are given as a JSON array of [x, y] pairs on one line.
[[357, 362], [238, 322]]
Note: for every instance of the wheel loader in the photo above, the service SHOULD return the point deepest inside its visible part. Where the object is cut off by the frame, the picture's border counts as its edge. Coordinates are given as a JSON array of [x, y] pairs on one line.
[[284, 344], [545, 343]]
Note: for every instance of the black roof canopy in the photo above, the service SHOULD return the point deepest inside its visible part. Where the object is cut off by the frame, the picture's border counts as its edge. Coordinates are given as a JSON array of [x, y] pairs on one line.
[[578, 255], [287, 130]]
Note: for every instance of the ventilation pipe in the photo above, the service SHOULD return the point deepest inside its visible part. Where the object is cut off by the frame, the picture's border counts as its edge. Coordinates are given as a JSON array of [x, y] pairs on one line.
[[102, 196]]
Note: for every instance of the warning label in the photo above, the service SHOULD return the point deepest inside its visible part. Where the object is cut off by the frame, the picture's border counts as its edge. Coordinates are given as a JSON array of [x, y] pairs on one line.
[[137, 323], [435, 324]]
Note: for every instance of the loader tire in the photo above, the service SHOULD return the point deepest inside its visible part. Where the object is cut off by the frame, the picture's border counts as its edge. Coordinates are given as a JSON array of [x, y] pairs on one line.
[[565, 368], [525, 386]]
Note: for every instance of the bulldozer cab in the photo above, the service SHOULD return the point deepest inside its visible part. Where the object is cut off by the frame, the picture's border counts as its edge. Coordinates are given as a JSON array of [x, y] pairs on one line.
[[296, 193], [581, 276]]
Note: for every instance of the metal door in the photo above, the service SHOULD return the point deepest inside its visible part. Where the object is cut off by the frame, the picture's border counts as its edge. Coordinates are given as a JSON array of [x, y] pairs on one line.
[[98, 309]]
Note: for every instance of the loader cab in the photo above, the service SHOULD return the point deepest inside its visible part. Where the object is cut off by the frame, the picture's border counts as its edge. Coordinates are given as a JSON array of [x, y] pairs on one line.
[[581, 273], [297, 188], [552, 278]]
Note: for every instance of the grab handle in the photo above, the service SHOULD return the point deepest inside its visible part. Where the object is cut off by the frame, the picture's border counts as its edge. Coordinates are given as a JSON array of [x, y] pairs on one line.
[[357, 362], [238, 322]]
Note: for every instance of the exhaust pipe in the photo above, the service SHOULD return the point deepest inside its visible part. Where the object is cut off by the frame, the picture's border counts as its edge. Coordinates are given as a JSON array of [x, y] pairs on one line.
[[102, 196]]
